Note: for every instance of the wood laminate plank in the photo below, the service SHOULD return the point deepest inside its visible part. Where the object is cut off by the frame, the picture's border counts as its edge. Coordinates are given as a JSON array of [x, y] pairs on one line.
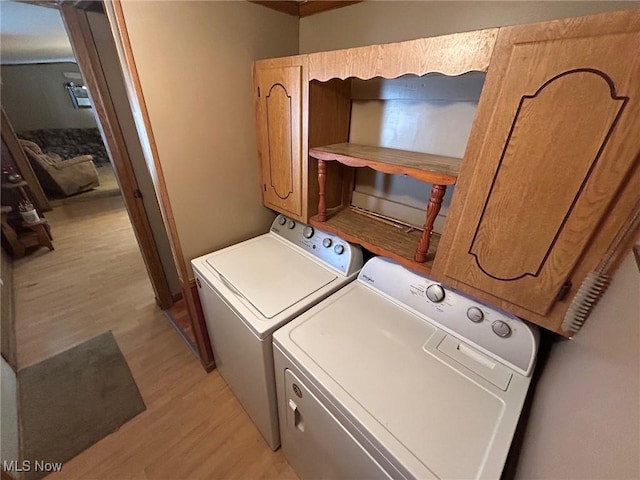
[[426, 167], [379, 236], [96, 281]]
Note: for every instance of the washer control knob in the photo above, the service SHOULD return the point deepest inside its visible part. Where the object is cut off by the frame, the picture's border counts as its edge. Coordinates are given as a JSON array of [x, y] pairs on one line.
[[291, 224], [475, 314], [282, 220], [339, 249], [500, 328], [326, 243], [307, 232], [435, 293]]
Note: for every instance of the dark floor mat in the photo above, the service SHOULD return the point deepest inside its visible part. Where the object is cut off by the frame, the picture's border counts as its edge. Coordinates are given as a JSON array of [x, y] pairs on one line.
[[70, 401]]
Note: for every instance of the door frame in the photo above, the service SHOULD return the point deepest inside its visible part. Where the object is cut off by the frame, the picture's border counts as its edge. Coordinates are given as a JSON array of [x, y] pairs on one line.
[[78, 28], [88, 61], [115, 15]]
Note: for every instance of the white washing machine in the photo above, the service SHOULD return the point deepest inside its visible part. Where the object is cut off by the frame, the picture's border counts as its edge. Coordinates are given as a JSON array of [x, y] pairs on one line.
[[396, 376], [250, 289]]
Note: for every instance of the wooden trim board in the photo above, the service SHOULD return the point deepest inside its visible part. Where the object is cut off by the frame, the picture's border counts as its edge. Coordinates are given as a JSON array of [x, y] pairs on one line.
[[143, 123], [89, 63], [311, 7], [198, 325], [452, 55], [304, 9]]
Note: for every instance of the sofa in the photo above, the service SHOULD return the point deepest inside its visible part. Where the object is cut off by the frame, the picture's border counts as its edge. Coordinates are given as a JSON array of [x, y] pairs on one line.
[[58, 176], [69, 142]]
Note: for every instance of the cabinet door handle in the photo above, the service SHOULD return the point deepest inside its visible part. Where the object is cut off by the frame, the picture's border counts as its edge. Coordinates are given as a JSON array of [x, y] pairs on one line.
[[564, 290]]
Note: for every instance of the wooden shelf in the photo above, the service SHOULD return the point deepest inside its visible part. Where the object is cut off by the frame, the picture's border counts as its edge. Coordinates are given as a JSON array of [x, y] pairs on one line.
[[379, 236], [426, 167], [415, 249], [20, 184]]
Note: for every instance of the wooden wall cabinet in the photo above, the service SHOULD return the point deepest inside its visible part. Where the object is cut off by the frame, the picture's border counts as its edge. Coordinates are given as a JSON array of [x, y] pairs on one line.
[[548, 189], [304, 101], [554, 145], [279, 117], [284, 98]]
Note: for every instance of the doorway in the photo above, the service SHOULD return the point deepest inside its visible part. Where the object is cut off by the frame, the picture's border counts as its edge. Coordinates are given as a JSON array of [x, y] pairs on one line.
[[125, 156]]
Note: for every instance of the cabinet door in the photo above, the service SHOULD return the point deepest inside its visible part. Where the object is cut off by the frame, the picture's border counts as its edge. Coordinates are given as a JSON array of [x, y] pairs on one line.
[[555, 137], [279, 111]]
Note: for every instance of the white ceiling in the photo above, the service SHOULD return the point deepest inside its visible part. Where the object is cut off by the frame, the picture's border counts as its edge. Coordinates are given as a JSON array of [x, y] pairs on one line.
[[32, 34]]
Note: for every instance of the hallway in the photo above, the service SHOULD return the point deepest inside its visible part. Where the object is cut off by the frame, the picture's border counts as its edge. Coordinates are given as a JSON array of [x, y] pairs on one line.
[[95, 281], [92, 282]]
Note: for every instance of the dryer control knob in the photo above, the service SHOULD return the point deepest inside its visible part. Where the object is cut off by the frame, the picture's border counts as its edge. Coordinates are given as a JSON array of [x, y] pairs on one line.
[[475, 314], [339, 249], [500, 328], [326, 243], [435, 293], [307, 232], [282, 220], [291, 224]]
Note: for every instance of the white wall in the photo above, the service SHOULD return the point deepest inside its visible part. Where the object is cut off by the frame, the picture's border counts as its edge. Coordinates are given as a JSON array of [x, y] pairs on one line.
[[373, 22], [195, 61], [35, 97], [585, 418], [8, 413]]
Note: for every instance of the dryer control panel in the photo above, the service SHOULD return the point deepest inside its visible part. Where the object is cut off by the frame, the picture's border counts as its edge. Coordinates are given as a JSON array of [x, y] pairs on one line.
[[495, 332], [331, 249]]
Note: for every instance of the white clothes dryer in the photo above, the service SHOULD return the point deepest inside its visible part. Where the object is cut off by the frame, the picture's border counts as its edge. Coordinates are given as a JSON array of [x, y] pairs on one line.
[[397, 376], [250, 289]]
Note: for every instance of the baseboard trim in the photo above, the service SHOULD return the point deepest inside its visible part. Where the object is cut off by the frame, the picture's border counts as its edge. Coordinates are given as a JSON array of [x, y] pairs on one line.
[[175, 325]]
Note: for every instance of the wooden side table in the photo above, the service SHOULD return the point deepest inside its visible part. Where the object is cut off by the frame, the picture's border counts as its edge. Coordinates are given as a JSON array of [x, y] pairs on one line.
[[35, 234], [41, 231], [20, 186]]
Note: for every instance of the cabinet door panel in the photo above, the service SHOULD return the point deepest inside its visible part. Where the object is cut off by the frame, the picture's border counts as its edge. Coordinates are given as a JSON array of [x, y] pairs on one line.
[[279, 120], [552, 146]]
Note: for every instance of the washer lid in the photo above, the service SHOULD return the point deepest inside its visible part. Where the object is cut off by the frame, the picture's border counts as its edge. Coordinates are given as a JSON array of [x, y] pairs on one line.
[[268, 274], [381, 363]]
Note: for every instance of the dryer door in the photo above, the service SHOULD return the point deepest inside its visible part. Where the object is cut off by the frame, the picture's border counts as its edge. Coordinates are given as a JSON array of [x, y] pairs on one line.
[[316, 445]]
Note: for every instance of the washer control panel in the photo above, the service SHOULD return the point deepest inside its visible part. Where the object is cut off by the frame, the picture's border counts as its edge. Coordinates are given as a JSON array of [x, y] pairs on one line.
[[331, 249], [497, 333]]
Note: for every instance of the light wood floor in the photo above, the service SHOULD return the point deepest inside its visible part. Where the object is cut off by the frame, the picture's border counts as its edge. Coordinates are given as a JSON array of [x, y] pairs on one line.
[[95, 281]]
